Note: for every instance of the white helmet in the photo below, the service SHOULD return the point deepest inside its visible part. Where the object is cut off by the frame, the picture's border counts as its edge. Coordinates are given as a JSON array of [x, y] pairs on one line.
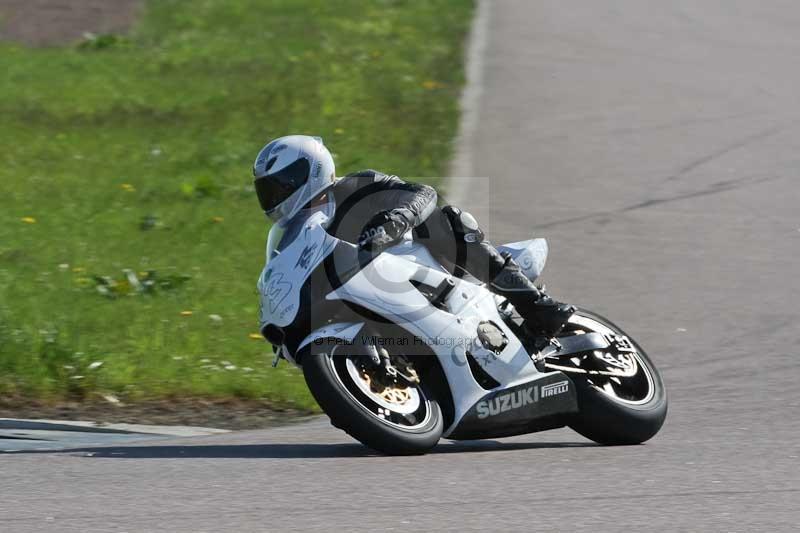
[[291, 171]]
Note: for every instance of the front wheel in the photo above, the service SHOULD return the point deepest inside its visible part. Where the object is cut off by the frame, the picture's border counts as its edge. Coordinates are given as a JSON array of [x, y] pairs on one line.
[[383, 412], [621, 396]]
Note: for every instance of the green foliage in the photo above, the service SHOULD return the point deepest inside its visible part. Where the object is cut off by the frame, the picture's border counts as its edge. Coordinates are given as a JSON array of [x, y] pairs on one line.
[[202, 187], [132, 155], [101, 42]]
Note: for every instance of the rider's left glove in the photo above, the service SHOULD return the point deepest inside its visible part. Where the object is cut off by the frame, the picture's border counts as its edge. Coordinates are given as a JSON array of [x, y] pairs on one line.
[[384, 229]]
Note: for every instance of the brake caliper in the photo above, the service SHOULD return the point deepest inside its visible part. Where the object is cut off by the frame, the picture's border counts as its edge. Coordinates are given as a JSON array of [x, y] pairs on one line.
[[402, 370]]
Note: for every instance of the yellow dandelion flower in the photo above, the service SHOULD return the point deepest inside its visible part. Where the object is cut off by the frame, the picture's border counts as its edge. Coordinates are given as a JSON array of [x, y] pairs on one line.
[[28, 220], [256, 336], [217, 220], [186, 313], [78, 270], [127, 187], [338, 131], [431, 84]]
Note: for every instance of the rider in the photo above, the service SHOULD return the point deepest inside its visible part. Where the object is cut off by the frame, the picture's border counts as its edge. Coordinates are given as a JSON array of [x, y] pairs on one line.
[[376, 211]]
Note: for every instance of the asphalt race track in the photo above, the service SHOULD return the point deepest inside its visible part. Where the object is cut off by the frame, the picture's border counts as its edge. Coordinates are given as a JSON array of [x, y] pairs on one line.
[[657, 146]]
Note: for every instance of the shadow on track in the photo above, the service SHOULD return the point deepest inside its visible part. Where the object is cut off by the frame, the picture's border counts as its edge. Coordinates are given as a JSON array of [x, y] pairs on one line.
[[289, 451]]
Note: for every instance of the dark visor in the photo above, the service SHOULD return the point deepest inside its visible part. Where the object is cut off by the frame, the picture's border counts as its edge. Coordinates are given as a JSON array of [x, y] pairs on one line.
[[276, 187]]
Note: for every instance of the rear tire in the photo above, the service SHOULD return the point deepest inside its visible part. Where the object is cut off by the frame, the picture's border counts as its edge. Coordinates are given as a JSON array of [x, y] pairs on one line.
[[612, 421], [350, 410]]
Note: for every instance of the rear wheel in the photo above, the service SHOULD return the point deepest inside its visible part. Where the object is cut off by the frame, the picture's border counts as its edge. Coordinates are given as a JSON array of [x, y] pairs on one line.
[[621, 396], [388, 413]]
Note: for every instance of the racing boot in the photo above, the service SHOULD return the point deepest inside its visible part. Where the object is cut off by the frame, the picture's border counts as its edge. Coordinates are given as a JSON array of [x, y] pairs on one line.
[[543, 316]]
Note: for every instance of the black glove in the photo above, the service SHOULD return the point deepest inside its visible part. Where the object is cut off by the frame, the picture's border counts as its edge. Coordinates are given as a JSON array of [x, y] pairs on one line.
[[383, 230]]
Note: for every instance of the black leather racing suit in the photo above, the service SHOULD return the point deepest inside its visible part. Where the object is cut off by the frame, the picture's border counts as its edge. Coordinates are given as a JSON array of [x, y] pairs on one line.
[[452, 237]]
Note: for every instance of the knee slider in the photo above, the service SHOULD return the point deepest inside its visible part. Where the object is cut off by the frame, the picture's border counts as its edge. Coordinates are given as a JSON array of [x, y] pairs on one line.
[[464, 224]]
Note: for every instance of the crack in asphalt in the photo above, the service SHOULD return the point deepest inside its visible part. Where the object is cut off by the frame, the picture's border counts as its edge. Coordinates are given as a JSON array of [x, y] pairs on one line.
[[716, 154], [716, 188]]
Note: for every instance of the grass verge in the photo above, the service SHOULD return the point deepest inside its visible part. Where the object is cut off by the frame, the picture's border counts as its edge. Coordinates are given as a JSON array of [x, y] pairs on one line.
[[130, 240]]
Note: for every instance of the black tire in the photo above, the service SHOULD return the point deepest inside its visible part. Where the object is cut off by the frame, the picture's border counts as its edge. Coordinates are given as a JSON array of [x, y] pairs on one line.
[[351, 415], [608, 421]]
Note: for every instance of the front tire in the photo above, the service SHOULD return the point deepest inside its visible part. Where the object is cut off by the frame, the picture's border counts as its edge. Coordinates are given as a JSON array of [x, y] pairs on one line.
[[379, 422], [626, 411]]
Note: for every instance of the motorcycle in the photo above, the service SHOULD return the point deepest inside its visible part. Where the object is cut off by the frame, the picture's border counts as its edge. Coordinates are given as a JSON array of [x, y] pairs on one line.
[[399, 353]]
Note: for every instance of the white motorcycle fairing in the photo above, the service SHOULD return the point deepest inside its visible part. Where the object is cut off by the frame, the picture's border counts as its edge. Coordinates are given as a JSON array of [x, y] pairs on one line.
[[385, 287], [520, 398], [289, 267]]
